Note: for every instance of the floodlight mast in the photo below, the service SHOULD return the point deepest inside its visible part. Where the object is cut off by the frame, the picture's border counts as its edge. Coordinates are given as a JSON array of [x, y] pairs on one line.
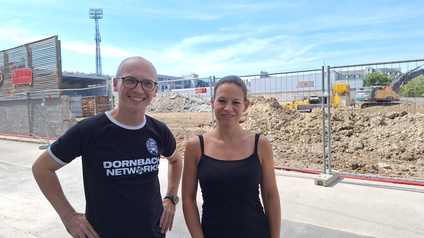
[[96, 14]]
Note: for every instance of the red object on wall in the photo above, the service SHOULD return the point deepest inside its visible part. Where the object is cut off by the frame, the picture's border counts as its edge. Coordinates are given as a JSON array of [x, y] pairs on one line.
[[305, 84], [201, 90], [22, 76]]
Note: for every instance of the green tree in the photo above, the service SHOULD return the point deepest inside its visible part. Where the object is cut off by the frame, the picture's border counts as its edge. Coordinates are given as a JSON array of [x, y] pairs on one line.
[[264, 74], [377, 79], [414, 88]]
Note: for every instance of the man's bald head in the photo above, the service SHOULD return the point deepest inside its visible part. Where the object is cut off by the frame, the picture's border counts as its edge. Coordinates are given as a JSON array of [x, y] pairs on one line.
[[135, 61]]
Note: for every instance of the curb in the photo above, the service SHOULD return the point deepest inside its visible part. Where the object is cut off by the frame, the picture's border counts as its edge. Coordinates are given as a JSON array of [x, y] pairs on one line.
[[25, 138]]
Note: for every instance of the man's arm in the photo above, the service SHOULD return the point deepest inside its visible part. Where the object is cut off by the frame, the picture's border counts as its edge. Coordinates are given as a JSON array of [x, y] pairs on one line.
[[44, 171], [175, 166]]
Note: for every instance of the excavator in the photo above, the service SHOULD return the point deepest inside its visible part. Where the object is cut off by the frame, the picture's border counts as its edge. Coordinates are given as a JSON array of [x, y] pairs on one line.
[[384, 96]]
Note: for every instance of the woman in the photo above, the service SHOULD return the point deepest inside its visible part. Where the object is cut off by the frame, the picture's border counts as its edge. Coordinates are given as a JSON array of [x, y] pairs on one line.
[[230, 164]]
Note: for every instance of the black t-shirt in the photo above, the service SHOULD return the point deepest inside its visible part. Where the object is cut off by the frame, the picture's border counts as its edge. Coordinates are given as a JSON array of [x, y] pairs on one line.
[[120, 170]]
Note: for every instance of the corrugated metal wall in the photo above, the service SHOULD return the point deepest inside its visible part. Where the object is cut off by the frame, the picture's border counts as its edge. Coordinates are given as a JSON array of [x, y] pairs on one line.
[[42, 57]]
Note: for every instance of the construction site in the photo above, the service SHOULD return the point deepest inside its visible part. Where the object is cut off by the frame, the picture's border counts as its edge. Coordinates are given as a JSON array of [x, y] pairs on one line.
[[317, 119], [376, 141], [356, 129]]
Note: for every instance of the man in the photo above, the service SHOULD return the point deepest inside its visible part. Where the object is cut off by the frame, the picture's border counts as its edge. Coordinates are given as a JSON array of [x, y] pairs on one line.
[[120, 151]]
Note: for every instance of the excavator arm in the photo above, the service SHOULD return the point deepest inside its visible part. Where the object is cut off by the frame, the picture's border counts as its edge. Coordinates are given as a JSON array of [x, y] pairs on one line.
[[405, 78]]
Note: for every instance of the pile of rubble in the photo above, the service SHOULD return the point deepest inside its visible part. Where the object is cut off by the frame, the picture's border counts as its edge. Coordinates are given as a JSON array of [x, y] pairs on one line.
[[174, 102]]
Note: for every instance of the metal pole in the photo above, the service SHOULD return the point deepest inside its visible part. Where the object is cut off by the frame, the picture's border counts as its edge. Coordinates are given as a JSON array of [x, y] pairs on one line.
[[110, 94], [212, 78], [29, 114], [329, 118], [43, 104], [323, 119]]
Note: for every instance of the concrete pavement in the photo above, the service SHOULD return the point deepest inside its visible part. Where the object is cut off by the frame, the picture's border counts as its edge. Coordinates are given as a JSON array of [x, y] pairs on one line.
[[348, 208]]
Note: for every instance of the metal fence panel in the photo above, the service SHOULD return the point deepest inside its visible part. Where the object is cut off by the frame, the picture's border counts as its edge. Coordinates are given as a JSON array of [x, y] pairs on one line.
[[377, 141]]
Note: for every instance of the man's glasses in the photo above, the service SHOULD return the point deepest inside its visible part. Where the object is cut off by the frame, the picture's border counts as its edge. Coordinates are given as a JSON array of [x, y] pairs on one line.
[[147, 85]]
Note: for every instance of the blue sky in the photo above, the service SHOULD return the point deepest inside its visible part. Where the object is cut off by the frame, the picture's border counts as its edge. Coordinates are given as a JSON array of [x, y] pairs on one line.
[[217, 38]]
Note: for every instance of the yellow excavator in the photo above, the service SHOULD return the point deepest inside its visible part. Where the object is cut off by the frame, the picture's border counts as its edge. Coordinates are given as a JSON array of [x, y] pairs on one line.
[[383, 96]]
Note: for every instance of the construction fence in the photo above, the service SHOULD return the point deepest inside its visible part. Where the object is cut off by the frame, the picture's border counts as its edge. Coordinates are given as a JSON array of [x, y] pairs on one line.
[[342, 138], [342, 130], [49, 113]]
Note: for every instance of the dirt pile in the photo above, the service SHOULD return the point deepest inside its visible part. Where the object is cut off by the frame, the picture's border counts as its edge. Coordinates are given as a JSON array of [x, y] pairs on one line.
[[174, 102], [386, 141]]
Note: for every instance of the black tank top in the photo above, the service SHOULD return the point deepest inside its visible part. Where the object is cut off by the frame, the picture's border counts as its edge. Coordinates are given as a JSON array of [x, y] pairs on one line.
[[230, 190]]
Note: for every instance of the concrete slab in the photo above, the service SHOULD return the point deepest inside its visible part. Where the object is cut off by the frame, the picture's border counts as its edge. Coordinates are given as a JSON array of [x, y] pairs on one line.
[[347, 208], [326, 179]]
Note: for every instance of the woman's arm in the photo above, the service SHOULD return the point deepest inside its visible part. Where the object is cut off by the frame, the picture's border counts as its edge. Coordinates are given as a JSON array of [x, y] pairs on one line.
[[269, 190], [189, 187]]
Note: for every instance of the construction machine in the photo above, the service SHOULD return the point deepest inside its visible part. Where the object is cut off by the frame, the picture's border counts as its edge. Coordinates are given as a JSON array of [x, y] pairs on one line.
[[300, 101], [340, 97], [310, 103], [383, 96]]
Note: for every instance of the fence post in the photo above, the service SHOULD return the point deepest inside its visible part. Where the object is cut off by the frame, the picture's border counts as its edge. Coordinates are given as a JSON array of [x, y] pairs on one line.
[[110, 94], [43, 104], [329, 118], [324, 156], [28, 99], [326, 179], [212, 78]]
